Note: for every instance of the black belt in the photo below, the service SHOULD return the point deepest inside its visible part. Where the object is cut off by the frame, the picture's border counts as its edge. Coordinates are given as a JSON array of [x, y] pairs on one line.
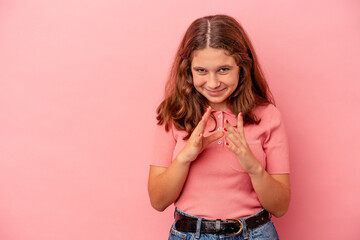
[[228, 227]]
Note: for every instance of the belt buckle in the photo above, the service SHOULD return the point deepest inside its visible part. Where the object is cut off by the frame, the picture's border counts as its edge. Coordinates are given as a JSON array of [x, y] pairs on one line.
[[240, 229]]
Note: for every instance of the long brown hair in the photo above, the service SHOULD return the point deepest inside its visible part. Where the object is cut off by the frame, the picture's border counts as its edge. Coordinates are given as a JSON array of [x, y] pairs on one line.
[[183, 106]]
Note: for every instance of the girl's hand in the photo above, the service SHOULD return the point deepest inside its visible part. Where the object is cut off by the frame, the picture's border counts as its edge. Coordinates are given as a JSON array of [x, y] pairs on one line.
[[236, 142], [197, 142]]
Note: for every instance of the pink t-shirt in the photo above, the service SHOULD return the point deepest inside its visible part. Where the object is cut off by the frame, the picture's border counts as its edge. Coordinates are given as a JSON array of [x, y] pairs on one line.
[[217, 187]]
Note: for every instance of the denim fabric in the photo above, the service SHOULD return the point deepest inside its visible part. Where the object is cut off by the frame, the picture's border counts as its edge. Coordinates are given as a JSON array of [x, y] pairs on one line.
[[263, 232]]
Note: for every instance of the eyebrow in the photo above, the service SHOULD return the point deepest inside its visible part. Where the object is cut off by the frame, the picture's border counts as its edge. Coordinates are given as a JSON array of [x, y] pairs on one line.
[[222, 66]]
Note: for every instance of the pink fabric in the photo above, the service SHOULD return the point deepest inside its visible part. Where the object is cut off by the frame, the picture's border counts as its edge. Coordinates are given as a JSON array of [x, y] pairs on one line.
[[217, 186]]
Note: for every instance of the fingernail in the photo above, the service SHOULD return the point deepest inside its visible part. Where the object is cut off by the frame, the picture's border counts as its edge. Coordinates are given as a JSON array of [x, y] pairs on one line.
[[240, 114], [200, 135], [225, 129], [226, 121], [226, 143]]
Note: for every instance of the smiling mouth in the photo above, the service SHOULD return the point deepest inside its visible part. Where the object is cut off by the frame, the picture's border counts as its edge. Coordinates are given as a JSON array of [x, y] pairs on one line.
[[215, 92]]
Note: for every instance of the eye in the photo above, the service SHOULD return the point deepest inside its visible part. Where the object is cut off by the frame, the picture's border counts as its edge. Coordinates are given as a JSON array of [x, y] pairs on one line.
[[200, 70], [223, 70]]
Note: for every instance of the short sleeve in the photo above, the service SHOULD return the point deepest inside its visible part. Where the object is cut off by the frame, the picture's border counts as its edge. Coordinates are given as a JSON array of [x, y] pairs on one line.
[[163, 147], [276, 145]]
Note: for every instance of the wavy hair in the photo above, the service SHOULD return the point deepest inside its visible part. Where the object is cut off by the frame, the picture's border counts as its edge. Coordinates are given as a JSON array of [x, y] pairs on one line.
[[183, 105]]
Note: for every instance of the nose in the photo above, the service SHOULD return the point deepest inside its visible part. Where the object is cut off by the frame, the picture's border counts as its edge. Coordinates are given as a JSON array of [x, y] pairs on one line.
[[213, 81]]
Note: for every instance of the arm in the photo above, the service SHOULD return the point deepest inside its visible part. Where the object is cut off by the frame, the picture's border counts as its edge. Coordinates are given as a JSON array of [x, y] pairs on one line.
[[165, 184], [273, 191]]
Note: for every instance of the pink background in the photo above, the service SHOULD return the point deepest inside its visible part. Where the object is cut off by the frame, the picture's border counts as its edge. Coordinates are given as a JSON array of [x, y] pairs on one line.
[[79, 85]]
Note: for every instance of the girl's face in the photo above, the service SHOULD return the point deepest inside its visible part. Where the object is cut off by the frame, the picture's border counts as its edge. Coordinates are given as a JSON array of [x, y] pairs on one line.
[[215, 75]]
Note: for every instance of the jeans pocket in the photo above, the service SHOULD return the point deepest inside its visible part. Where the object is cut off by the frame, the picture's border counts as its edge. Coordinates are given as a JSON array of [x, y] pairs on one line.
[[264, 232], [176, 235]]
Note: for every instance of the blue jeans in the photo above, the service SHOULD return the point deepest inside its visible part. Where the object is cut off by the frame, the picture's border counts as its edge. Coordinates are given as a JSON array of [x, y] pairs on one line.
[[263, 232]]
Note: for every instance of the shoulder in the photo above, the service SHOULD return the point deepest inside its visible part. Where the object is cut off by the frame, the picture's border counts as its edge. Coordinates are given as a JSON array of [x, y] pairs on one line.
[[161, 133], [172, 133], [267, 112]]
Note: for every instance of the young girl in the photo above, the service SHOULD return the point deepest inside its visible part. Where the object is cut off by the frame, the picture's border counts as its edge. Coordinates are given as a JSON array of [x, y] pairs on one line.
[[220, 151]]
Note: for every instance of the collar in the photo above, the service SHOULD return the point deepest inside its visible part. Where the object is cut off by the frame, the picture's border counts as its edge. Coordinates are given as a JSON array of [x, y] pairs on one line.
[[226, 111]]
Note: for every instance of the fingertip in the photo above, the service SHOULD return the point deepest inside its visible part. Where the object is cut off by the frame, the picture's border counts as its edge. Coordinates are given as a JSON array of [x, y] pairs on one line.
[[205, 113], [208, 110]]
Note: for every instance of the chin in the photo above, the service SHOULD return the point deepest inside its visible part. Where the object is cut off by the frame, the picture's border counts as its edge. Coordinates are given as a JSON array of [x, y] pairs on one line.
[[215, 100]]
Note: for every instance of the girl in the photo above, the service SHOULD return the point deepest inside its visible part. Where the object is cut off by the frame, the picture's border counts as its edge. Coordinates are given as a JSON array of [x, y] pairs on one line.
[[220, 149]]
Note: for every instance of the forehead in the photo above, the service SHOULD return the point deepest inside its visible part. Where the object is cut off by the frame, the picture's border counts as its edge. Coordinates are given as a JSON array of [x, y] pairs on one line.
[[211, 57]]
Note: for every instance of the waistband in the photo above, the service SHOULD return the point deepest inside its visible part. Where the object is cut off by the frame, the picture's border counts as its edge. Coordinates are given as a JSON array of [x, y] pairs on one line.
[[188, 223]]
